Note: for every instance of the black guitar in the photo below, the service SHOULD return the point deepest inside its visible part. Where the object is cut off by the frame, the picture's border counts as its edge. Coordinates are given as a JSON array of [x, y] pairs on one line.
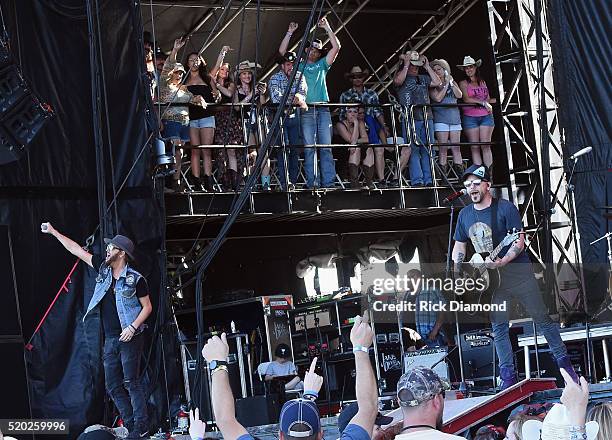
[[477, 269]]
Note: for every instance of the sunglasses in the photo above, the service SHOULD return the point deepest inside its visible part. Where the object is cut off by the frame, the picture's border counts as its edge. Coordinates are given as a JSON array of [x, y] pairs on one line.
[[110, 247], [474, 182], [351, 111]]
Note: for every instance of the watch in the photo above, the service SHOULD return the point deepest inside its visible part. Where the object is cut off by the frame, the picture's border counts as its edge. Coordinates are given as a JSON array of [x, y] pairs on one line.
[[213, 365]]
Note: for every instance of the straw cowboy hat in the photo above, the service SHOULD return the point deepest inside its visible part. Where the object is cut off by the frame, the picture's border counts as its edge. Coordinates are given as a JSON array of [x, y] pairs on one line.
[[356, 72], [555, 426], [469, 61], [415, 58], [247, 66], [442, 63]]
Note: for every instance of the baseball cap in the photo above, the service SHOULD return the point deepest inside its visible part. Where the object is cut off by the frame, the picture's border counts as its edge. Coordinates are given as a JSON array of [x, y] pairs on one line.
[[349, 411], [282, 351], [478, 171], [316, 43], [418, 385], [288, 57], [299, 418]]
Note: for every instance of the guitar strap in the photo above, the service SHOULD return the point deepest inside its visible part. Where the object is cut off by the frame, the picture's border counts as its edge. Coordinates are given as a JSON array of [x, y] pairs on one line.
[[494, 229]]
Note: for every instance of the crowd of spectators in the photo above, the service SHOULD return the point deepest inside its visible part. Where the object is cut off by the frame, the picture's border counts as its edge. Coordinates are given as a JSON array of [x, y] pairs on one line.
[[223, 139]]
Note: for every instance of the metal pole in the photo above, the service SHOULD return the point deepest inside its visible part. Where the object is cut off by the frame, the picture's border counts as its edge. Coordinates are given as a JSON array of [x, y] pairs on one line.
[[225, 26]]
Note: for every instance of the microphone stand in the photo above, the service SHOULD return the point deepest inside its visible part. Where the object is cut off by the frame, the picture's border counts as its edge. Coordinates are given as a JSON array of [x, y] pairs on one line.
[[323, 364], [450, 273]]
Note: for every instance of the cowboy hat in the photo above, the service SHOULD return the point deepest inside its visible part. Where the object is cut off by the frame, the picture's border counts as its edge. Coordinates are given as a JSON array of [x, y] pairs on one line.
[[469, 61], [178, 67], [356, 72], [555, 426], [415, 58], [247, 65], [289, 57], [442, 63]]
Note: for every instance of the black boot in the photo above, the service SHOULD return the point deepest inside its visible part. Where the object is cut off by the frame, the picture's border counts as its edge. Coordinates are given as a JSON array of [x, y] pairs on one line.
[[369, 177], [354, 176], [197, 183], [208, 184], [232, 179]]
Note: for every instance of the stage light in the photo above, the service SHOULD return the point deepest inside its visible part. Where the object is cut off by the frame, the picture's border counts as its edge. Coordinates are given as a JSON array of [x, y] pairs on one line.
[[164, 161], [22, 114]]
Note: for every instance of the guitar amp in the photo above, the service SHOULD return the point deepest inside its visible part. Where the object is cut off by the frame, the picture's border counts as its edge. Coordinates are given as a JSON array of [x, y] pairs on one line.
[[433, 357], [478, 352]]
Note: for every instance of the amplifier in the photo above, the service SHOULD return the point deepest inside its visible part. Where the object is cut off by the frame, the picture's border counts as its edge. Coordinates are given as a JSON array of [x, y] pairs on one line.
[[435, 357], [258, 410], [479, 356]]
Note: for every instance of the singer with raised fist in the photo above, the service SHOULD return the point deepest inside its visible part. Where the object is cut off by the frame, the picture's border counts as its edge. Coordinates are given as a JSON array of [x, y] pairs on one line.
[[121, 295], [485, 223]]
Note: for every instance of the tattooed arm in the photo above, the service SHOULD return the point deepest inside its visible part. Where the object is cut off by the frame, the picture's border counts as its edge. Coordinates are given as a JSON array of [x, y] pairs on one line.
[[458, 255], [516, 248]]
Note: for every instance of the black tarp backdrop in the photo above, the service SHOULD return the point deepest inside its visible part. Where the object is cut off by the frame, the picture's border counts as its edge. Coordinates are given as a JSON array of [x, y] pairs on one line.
[[581, 54], [56, 181]]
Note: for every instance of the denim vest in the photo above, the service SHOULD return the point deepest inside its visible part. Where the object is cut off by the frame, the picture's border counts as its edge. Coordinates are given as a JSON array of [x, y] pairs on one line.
[[126, 301]]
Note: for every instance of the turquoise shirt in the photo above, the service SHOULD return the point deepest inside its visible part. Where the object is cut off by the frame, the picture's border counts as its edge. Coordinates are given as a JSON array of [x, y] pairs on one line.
[[315, 74]]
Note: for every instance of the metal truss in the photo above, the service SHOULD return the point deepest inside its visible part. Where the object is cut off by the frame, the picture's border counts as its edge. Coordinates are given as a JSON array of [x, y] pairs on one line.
[[532, 135], [434, 27]]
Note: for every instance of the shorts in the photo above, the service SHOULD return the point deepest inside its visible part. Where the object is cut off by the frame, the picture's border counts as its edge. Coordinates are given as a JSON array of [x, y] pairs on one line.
[[175, 130], [443, 126], [477, 121], [208, 122]]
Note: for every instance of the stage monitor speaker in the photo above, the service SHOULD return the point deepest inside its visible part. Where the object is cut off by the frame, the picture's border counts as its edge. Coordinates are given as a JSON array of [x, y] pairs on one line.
[[478, 350], [258, 410], [22, 114], [13, 380]]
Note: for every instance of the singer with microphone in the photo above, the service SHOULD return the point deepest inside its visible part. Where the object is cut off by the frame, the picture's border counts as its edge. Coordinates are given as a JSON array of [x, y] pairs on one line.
[[121, 296], [485, 224]]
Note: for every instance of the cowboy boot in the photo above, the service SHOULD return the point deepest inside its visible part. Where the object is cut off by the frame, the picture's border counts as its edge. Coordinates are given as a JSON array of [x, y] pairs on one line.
[[508, 377], [445, 168], [565, 363], [208, 184], [459, 169], [197, 183], [369, 176], [354, 176]]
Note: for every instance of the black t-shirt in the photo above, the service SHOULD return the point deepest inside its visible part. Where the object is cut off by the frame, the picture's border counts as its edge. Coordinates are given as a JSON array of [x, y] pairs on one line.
[[197, 111], [108, 307]]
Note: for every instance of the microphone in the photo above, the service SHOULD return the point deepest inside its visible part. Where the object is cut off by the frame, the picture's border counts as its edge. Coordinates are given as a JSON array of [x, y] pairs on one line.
[[454, 196], [579, 153]]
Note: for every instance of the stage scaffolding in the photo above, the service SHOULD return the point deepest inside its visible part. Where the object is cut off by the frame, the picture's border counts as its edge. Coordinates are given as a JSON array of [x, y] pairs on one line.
[[531, 132]]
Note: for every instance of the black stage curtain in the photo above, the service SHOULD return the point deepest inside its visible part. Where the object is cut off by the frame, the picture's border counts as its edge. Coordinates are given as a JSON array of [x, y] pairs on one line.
[[56, 181], [581, 53]]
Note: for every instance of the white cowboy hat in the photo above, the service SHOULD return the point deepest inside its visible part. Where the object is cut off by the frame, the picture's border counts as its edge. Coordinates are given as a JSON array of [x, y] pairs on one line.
[[469, 61], [247, 66], [555, 426], [415, 58]]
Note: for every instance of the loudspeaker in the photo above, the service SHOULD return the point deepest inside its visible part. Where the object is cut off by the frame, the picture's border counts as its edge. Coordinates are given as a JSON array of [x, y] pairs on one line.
[[478, 350], [258, 410], [22, 114]]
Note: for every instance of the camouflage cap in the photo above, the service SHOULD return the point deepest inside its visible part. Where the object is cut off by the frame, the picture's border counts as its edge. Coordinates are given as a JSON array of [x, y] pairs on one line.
[[418, 385]]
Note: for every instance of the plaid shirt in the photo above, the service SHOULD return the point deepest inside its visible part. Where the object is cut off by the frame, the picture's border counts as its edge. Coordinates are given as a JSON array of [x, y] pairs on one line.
[[425, 320], [278, 85], [368, 96]]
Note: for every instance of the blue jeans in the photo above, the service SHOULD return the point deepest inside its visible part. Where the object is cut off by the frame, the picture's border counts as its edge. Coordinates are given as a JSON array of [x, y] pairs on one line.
[[122, 377], [317, 129], [419, 163], [293, 137], [528, 294]]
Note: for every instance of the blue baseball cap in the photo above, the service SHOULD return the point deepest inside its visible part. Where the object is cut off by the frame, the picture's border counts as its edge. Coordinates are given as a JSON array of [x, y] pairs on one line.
[[299, 418]]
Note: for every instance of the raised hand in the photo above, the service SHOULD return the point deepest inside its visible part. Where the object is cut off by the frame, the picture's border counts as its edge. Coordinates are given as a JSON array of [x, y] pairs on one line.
[[226, 49], [197, 428], [178, 43], [575, 397], [425, 60], [47, 228], [404, 57], [216, 349], [312, 381], [323, 23], [361, 333], [292, 27]]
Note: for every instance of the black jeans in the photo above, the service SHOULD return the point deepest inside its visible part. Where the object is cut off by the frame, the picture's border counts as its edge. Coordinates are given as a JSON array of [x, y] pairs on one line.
[[122, 377]]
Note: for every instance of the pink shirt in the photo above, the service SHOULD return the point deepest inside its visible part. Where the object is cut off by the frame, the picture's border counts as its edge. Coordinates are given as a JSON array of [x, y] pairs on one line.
[[479, 93]]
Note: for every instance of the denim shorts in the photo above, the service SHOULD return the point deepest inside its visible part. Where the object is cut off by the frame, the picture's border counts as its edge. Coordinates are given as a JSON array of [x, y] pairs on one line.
[[175, 130], [477, 121], [208, 122], [442, 126]]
